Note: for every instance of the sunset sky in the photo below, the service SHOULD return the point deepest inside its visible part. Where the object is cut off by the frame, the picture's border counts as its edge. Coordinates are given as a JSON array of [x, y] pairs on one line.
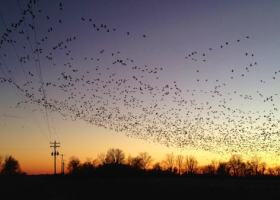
[[153, 33]]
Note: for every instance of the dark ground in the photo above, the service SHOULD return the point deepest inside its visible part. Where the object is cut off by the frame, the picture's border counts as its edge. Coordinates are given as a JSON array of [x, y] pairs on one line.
[[48, 187]]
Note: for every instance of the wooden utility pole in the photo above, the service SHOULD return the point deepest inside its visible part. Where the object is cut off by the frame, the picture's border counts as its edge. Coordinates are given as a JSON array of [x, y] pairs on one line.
[[55, 153], [62, 164]]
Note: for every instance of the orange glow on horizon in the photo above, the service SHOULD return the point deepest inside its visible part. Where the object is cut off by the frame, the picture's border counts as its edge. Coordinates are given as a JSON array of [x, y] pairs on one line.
[[84, 141]]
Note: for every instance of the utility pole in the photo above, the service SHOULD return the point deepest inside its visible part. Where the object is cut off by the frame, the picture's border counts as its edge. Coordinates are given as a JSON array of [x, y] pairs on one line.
[[55, 153], [62, 164]]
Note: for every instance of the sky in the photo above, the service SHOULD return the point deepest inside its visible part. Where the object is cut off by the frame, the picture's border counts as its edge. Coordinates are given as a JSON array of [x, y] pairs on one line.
[[204, 48]]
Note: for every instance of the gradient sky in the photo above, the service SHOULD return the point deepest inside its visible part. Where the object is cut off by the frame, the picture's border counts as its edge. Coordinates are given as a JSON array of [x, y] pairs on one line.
[[173, 28]]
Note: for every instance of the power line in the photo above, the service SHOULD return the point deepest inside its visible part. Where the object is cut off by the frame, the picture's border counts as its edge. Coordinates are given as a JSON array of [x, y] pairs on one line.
[[41, 77], [7, 69]]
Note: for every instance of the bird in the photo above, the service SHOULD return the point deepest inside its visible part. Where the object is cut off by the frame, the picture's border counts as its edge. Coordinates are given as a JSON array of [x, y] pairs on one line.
[[113, 89]]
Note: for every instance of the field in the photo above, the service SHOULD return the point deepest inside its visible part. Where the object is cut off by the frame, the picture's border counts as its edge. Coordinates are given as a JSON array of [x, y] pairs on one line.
[[48, 187]]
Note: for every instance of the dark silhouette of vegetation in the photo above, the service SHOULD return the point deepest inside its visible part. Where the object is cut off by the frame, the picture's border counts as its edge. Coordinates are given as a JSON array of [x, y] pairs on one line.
[[112, 171], [222, 169], [10, 166], [115, 157], [74, 165], [191, 165], [114, 163], [1, 162]]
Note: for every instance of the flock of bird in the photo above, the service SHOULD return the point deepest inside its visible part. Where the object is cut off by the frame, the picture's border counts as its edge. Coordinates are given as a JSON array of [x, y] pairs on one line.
[[118, 94]]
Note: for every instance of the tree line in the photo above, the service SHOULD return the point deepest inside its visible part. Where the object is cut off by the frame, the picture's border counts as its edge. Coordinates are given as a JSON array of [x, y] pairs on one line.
[[115, 163]]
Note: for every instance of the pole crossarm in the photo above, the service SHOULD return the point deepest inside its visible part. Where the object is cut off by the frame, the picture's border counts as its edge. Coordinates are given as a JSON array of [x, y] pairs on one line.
[[55, 153]]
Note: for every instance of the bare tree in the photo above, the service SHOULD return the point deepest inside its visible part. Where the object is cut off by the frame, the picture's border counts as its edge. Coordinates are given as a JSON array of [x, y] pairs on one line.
[[271, 171], [10, 166], [169, 162], [87, 167], [236, 165], [73, 165], [90, 163], [157, 167], [146, 159], [142, 161], [180, 163], [129, 160], [136, 162], [95, 162], [101, 159], [115, 156], [222, 169], [277, 170], [210, 169], [191, 165], [254, 166], [262, 168], [1, 159]]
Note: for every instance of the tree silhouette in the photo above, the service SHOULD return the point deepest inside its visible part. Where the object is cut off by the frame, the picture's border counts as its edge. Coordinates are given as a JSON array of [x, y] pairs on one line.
[[146, 160], [142, 161], [1, 159], [271, 171], [210, 169], [115, 156], [222, 169], [10, 166], [73, 165], [262, 168], [180, 163], [157, 169], [87, 168], [191, 165], [113, 164], [236, 165], [255, 167], [101, 158], [136, 162], [277, 171], [169, 162]]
